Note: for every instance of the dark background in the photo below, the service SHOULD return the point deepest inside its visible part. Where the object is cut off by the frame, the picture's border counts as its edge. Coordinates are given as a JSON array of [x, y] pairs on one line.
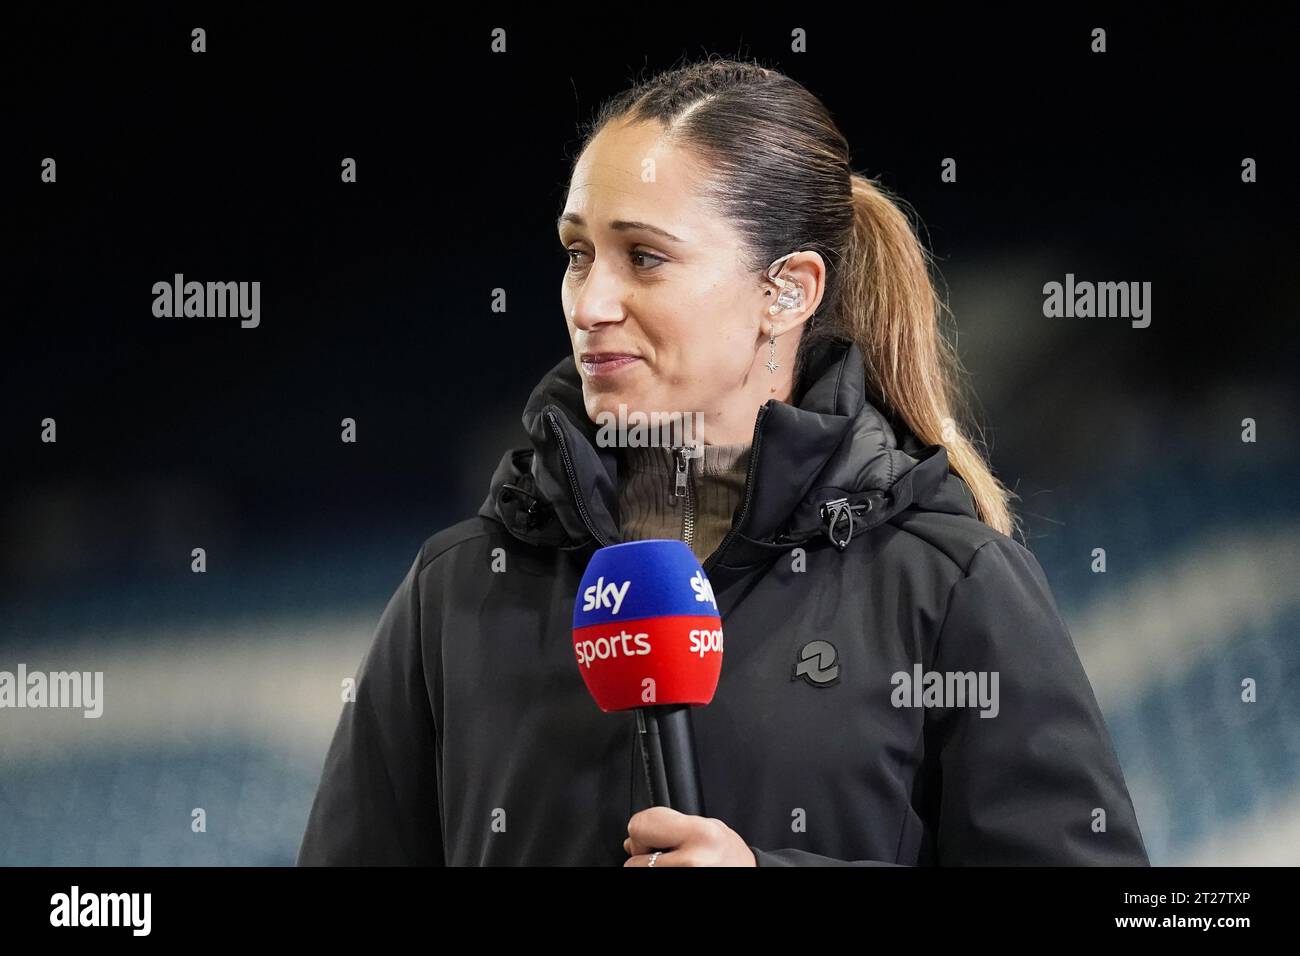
[[181, 433]]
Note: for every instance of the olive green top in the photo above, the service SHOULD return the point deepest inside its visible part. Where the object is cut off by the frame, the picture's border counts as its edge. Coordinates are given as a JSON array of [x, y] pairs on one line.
[[648, 507]]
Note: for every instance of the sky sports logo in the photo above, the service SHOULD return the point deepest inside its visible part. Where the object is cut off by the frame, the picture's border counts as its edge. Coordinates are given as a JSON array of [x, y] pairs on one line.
[[702, 641], [606, 648], [705, 641], [703, 589], [601, 595]]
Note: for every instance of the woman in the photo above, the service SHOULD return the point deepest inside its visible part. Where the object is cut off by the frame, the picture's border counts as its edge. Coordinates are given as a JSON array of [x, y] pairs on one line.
[[897, 685]]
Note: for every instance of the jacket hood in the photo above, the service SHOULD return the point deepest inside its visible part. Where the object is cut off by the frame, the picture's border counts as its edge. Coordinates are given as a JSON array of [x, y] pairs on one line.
[[828, 462]]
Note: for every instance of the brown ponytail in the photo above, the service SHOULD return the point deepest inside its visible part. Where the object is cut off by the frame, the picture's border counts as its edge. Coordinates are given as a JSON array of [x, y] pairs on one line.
[[889, 307]]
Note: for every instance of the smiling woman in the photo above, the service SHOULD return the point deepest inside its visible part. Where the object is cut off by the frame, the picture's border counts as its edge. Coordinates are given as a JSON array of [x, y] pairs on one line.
[[725, 261], [677, 312]]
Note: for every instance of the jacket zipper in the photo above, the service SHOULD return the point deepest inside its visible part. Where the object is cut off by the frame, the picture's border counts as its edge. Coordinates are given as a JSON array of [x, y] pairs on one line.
[[681, 488], [685, 488], [712, 559], [573, 481]]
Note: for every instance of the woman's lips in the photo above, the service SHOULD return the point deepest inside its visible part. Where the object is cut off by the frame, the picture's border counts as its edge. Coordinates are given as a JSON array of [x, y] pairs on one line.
[[601, 365]]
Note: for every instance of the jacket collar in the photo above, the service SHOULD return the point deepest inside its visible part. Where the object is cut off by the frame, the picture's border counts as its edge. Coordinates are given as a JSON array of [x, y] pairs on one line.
[[826, 458]]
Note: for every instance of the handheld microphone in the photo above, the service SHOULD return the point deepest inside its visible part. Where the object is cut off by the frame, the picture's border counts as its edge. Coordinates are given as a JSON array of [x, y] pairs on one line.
[[648, 637]]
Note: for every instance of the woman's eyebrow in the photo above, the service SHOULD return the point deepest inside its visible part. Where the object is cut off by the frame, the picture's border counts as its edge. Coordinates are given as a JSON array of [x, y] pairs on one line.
[[619, 225]]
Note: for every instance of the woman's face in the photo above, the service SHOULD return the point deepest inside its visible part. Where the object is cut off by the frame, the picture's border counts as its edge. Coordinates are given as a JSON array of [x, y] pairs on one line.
[[655, 276]]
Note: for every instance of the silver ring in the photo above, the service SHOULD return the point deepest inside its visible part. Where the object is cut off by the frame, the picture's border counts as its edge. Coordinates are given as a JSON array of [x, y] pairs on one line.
[[654, 856]]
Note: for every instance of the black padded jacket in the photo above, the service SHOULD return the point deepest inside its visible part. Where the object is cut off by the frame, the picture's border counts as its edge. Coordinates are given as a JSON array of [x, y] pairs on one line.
[[855, 558]]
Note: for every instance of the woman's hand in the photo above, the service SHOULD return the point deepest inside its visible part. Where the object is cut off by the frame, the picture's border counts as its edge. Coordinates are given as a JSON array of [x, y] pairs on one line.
[[685, 840]]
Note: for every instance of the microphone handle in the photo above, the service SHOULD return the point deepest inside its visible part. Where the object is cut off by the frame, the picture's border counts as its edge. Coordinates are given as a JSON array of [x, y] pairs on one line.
[[668, 756]]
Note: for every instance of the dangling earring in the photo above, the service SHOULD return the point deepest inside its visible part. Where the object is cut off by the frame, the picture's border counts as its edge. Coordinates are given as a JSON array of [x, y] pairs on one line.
[[771, 361], [790, 297]]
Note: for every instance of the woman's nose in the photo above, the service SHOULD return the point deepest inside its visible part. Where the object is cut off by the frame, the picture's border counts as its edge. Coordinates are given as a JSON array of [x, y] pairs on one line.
[[597, 300], [588, 314]]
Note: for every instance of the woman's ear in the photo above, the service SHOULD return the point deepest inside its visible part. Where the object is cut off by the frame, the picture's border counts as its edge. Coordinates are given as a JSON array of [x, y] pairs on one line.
[[792, 297]]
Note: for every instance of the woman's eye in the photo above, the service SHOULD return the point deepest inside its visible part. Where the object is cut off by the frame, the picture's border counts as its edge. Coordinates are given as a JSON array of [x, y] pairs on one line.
[[637, 256]]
